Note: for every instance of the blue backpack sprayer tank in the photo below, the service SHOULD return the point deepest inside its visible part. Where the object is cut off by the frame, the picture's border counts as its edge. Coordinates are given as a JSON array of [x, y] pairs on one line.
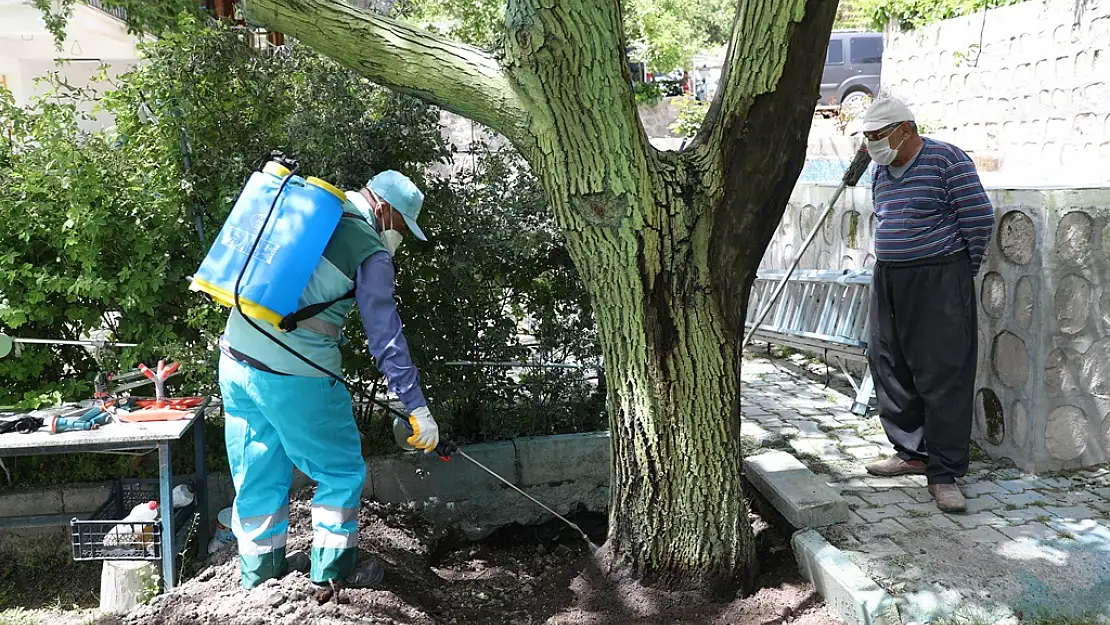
[[270, 244]]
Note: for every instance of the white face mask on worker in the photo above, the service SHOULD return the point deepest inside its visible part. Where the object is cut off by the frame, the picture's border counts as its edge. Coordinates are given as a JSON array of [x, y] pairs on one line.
[[881, 152], [390, 237]]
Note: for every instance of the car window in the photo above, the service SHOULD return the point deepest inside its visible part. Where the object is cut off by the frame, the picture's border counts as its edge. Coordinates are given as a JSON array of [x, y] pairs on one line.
[[867, 50], [835, 53]]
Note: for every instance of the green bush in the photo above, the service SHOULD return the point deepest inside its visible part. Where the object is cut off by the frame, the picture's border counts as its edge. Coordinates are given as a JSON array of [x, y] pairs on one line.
[[913, 14], [103, 229], [691, 113], [648, 93]]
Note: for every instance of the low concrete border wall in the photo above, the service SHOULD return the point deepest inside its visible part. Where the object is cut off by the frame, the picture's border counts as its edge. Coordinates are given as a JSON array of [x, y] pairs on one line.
[[567, 472]]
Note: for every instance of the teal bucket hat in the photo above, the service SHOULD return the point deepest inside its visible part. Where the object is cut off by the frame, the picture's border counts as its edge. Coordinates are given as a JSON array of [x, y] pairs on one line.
[[395, 188]]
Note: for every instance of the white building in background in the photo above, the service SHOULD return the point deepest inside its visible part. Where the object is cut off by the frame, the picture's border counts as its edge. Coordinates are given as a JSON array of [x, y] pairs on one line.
[[93, 38]]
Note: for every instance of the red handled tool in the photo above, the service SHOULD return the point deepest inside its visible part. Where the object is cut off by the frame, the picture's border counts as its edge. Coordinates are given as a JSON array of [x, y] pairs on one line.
[[159, 378]]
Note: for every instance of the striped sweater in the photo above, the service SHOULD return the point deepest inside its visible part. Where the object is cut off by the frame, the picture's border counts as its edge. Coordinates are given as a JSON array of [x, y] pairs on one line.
[[937, 207]]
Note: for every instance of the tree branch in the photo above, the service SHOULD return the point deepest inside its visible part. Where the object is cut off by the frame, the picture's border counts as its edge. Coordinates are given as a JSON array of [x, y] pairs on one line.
[[763, 118], [448, 74]]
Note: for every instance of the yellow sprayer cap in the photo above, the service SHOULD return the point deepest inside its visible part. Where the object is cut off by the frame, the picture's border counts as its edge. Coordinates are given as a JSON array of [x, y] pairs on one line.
[[325, 185], [277, 169]]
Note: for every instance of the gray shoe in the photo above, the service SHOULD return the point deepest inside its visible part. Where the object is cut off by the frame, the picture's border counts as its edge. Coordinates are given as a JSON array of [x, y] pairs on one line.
[[298, 561], [896, 466], [368, 574]]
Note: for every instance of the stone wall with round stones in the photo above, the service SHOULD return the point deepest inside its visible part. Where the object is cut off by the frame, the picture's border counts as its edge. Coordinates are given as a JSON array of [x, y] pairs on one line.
[[1024, 88], [1043, 390]]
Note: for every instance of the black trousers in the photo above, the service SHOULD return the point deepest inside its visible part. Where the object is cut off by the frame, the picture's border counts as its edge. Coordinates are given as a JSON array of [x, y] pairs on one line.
[[923, 351]]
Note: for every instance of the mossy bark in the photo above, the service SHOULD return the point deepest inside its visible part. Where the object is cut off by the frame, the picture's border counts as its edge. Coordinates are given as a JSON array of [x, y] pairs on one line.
[[667, 243]]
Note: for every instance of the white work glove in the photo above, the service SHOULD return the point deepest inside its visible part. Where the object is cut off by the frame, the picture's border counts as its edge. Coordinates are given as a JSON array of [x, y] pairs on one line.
[[425, 431]]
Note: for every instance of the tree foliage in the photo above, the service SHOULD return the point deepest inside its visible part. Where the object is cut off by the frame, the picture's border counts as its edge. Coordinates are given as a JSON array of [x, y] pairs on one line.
[[912, 14], [143, 17], [101, 230]]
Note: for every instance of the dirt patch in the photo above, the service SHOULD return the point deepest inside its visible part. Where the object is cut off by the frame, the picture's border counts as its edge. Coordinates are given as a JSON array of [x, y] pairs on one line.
[[521, 576]]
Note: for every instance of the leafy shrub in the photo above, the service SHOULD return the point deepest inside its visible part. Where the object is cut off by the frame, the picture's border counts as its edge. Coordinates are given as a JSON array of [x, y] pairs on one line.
[[648, 93], [691, 113]]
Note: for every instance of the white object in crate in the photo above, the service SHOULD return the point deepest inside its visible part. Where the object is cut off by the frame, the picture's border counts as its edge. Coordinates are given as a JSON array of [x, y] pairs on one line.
[[137, 535]]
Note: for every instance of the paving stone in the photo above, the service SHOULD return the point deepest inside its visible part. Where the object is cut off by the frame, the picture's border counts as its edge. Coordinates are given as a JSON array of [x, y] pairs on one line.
[[807, 428], [1020, 499], [870, 452], [911, 481], [977, 519], [982, 488], [882, 548], [855, 519], [873, 531], [855, 502], [887, 497], [1031, 531], [1060, 483], [1101, 506], [849, 593], [849, 438], [869, 482], [920, 509], [1073, 512], [760, 436], [984, 502], [802, 498], [1023, 515], [824, 449], [877, 514], [1102, 492], [984, 535], [826, 420], [919, 494], [929, 523]]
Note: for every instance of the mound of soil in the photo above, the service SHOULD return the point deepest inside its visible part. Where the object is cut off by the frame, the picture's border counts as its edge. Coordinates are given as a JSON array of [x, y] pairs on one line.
[[522, 576]]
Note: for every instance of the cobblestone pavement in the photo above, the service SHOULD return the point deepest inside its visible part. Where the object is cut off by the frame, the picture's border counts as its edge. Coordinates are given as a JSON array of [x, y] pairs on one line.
[[1027, 544]]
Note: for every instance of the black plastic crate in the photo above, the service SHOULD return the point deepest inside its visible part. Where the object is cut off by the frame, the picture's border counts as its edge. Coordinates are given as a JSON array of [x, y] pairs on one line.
[[104, 537]]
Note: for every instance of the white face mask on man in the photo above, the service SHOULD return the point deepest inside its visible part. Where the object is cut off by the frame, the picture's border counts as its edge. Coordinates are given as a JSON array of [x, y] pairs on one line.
[[391, 237], [881, 152]]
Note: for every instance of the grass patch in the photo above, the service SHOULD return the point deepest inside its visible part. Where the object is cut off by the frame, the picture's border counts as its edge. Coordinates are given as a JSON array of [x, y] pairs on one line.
[[1011, 507], [1065, 535], [916, 513], [1042, 519]]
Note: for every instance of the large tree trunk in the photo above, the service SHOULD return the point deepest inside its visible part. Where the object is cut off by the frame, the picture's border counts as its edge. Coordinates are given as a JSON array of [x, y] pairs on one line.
[[666, 243]]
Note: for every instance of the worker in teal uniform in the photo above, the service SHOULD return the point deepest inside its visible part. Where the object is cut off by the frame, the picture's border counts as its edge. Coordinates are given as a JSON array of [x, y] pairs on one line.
[[282, 412]]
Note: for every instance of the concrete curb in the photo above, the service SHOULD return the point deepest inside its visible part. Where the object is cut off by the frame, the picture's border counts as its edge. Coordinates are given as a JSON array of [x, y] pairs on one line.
[[849, 593], [804, 499]]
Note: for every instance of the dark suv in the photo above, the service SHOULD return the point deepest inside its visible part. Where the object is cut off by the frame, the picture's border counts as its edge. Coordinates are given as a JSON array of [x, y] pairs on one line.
[[853, 63]]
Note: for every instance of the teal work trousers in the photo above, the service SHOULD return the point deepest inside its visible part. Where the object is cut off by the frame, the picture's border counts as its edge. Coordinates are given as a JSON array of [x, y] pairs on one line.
[[275, 422]]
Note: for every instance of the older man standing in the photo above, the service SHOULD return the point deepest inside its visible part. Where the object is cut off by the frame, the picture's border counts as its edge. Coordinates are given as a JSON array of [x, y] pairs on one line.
[[934, 221]]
